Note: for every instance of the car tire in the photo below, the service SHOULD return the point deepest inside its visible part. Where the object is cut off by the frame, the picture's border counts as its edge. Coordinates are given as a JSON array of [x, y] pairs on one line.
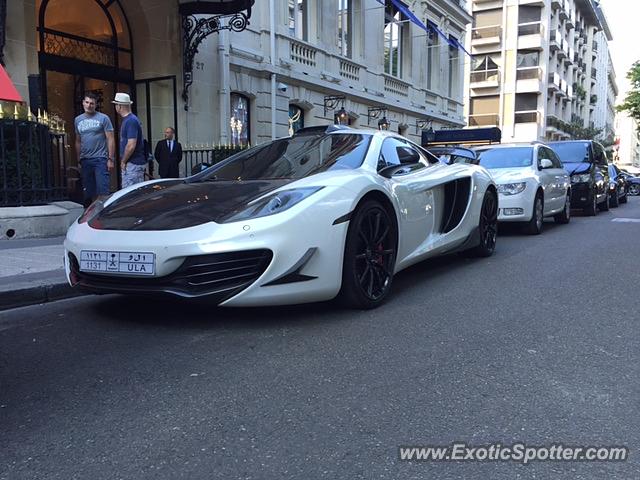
[[625, 198], [634, 189], [592, 209], [614, 202], [564, 217], [534, 226], [487, 226], [604, 206], [369, 256]]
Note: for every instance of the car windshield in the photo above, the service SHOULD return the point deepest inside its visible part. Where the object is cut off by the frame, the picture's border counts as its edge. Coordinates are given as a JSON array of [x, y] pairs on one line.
[[510, 157], [571, 152], [293, 158]]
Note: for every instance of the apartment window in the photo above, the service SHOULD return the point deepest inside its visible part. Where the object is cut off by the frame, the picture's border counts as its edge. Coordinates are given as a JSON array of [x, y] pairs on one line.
[[484, 70], [393, 39], [298, 19], [432, 58], [345, 27], [487, 18], [240, 119], [528, 14], [454, 67], [528, 58], [484, 111], [526, 108]]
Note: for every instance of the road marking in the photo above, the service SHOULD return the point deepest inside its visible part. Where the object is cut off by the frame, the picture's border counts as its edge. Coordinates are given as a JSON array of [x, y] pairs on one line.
[[626, 220]]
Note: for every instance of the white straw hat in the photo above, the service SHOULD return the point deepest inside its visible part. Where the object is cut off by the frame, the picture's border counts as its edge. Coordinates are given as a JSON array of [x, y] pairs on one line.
[[122, 99]]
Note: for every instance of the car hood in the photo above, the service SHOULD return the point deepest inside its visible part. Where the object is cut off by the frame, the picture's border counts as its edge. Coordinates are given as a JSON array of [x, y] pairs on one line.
[[509, 175], [575, 168], [178, 204]]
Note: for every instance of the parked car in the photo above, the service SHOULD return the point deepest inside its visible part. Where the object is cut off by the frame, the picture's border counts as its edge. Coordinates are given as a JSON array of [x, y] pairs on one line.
[[532, 184], [618, 186], [451, 155], [327, 212], [633, 183], [586, 162]]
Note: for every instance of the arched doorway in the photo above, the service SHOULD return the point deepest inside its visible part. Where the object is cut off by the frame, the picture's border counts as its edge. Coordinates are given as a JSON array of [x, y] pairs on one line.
[[83, 45]]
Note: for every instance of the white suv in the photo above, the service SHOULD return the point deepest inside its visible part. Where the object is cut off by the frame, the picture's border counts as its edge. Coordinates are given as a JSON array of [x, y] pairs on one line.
[[532, 184]]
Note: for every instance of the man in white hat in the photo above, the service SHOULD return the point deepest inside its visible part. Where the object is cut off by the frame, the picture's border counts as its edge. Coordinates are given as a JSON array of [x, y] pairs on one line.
[[132, 159]]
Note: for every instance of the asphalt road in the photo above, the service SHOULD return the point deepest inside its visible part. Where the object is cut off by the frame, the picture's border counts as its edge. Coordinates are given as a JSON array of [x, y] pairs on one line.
[[538, 344]]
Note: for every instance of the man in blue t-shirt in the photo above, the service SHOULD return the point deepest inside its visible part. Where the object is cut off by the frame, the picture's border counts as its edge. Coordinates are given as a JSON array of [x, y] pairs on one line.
[[133, 162]]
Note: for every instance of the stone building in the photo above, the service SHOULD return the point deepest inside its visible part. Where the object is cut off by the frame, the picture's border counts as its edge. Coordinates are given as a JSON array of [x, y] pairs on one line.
[[288, 68]]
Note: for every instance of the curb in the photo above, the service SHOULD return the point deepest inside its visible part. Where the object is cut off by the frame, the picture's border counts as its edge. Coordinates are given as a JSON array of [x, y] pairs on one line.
[[36, 294]]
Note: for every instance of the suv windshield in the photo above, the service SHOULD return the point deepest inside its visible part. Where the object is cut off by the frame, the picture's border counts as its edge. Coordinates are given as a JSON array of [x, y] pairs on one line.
[[571, 152], [293, 158], [509, 157]]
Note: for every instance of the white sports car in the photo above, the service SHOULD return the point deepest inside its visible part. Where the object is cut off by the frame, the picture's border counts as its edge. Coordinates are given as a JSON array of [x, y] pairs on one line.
[[330, 211]]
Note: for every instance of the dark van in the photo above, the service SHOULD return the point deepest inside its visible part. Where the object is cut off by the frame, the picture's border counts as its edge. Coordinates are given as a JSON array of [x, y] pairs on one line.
[[586, 162]]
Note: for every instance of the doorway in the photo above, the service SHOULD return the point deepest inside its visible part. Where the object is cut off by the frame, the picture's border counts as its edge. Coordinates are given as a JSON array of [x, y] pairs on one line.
[[84, 46]]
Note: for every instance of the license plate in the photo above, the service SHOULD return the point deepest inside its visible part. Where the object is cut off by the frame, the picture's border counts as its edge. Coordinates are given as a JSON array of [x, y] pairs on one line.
[[127, 263]]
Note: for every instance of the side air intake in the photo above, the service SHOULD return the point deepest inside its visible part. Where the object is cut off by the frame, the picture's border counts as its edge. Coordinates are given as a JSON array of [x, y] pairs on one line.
[[456, 199]]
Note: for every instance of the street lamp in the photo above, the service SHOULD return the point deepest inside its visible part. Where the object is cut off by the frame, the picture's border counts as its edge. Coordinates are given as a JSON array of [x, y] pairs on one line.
[[331, 103], [422, 124], [375, 112]]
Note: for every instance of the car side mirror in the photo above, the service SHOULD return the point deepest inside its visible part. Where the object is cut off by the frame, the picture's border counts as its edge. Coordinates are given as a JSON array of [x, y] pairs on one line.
[[546, 163]]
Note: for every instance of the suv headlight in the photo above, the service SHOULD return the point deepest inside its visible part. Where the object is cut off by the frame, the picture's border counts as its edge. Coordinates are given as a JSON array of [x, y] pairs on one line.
[[272, 204], [582, 178], [511, 188]]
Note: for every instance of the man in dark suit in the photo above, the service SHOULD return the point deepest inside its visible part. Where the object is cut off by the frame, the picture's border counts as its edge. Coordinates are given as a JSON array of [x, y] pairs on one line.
[[168, 154]]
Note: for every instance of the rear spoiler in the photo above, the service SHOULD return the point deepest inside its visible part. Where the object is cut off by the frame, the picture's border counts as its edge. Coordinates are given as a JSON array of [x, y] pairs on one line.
[[464, 136]]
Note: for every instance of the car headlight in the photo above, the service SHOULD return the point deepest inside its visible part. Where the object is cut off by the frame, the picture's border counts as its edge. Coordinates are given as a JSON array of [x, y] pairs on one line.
[[582, 178], [612, 186], [272, 204], [92, 211], [512, 188]]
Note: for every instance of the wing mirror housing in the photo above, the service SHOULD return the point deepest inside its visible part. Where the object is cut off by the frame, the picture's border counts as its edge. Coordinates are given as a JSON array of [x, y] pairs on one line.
[[546, 163]]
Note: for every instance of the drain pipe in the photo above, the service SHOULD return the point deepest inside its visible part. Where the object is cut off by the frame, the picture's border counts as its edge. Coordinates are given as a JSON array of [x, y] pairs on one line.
[[272, 35]]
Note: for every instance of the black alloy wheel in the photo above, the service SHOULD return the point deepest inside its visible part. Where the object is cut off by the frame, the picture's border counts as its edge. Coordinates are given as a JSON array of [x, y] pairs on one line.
[[614, 201], [592, 209], [487, 226], [369, 257], [634, 189], [604, 206]]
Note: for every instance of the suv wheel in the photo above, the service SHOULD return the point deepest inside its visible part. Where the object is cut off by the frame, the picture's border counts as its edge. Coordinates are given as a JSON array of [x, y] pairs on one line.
[[614, 201], [604, 206], [592, 209]]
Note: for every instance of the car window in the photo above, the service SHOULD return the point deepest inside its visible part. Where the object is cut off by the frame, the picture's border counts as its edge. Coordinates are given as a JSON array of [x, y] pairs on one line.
[[395, 151], [599, 153], [541, 155], [551, 155], [572, 152], [506, 157]]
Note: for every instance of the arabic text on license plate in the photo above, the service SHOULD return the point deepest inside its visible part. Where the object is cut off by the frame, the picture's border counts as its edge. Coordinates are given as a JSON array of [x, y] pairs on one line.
[[133, 263]]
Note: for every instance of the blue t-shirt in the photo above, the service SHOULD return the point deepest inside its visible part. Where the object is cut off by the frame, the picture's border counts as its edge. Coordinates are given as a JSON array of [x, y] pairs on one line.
[[91, 129], [132, 128]]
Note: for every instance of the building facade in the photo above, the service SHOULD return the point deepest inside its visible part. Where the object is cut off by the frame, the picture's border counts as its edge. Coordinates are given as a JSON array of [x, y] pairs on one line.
[[534, 72], [628, 142], [296, 64]]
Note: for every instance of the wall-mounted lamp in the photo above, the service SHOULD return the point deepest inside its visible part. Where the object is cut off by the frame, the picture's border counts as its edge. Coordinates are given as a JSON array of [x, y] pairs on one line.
[[375, 112], [331, 102], [423, 124]]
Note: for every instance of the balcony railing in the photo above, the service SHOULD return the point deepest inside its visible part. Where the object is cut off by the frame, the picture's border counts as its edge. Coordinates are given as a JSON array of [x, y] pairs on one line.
[[529, 73], [532, 28], [484, 120], [554, 81], [303, 53], [483, 76], [492, 32], [527, 116], [349, 70], [396, 86]]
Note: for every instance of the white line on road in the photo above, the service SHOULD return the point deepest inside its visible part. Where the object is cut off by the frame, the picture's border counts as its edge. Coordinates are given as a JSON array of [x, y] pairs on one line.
[[626, 220]]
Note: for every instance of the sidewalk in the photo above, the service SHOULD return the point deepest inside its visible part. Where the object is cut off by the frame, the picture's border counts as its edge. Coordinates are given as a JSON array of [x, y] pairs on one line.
[[32, 272]]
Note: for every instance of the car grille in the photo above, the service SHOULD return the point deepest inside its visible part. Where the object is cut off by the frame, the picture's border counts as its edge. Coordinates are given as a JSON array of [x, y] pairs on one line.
[[218, 275]]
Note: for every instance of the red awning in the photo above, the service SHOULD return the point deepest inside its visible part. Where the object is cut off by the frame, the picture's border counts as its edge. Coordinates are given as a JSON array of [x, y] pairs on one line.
[[7, 89]]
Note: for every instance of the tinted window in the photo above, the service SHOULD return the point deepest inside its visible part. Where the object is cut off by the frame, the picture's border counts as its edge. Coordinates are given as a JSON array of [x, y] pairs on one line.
[[572, 152], [395, 151], [294, 157], [551, 155], [506, 157]]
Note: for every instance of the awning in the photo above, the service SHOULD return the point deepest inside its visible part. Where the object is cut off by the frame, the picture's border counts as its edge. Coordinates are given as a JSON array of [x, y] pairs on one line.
[[7, 89]]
